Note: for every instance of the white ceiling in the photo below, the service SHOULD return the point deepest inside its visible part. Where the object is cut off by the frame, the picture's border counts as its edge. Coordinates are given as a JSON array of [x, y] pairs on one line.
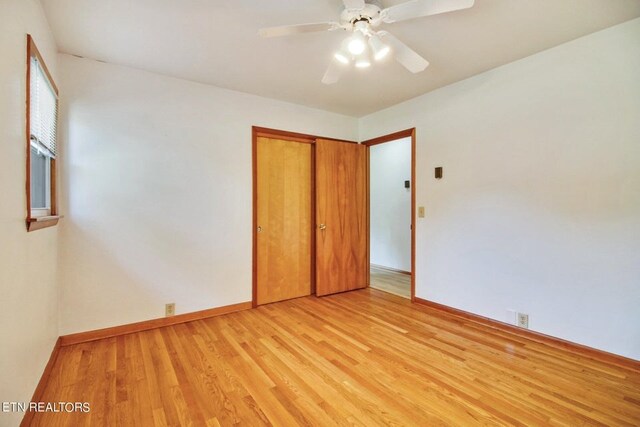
[[216, 42]]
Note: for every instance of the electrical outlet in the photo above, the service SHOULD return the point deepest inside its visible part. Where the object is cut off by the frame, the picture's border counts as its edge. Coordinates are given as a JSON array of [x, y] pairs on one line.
[[170, 309], [420, 211], [523, 320]]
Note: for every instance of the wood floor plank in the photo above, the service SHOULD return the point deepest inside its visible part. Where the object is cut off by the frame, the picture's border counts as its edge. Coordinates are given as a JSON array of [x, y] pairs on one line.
[[390, 281], [358, 358]]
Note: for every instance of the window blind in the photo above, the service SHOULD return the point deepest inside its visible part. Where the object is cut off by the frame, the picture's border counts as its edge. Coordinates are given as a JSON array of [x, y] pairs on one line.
[[43, 111]]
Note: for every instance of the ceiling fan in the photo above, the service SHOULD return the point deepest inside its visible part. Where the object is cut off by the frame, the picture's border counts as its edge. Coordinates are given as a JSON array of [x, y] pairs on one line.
[[362, 20]]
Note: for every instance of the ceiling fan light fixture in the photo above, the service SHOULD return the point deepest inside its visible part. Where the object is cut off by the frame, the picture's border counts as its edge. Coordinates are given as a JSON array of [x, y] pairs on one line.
[[342, 57], [380, 50], [357, 43], [363, 61]]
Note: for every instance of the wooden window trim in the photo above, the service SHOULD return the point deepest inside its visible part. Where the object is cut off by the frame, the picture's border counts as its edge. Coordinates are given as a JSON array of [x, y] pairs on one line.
[[39, 222]]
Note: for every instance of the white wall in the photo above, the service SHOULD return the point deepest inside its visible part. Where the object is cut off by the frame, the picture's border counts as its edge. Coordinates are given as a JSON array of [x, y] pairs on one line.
[[158, 177], [28, 286], [390, 204], [539, 207]]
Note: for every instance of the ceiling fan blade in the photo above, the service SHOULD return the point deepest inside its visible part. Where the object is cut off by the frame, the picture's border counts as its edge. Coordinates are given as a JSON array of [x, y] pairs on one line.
[[353, 4], [333, 73], [418, 8], [404, 54], [287, 30]]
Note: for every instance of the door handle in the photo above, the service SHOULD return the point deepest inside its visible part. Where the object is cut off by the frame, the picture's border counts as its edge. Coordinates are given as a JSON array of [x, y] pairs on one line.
[[322, 227], [259, 229]]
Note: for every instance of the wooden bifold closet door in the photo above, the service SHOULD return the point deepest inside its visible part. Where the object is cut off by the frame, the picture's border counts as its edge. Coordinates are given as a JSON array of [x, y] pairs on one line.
[[284, 219], [341, 216]]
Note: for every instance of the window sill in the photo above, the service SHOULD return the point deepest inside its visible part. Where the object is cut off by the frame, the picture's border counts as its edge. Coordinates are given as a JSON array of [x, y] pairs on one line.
[[42, 222]]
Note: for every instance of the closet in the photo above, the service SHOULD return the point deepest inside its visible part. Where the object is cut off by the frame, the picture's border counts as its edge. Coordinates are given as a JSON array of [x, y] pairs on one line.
[[310, 216]]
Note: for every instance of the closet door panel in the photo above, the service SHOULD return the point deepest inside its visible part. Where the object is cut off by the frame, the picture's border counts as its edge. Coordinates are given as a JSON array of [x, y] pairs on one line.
[[284, 219], [341, 216]]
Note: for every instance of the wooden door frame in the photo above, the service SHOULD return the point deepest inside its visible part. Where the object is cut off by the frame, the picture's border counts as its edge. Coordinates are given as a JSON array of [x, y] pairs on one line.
[[381, 140], [256, 132]]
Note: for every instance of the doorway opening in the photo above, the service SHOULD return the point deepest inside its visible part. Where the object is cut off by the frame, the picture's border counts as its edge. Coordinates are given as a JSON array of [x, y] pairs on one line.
[[391, 233]]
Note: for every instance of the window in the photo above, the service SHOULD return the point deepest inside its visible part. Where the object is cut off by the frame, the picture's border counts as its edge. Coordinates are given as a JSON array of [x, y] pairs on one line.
[[42, 120]]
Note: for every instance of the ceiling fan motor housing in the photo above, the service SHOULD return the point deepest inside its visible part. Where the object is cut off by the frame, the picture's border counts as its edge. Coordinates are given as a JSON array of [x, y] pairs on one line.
[[370, 13]]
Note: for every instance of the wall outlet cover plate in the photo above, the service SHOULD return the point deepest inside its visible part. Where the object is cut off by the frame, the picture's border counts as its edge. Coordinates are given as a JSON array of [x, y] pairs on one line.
[[523, 320], [170, 309]]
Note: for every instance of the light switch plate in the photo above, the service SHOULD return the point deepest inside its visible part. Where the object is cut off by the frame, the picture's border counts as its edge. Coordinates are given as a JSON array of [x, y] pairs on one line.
[[420, 211]]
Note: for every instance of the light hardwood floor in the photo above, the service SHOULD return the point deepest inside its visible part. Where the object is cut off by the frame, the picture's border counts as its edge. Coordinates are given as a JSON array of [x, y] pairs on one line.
[[363, 358], [390, 281]]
